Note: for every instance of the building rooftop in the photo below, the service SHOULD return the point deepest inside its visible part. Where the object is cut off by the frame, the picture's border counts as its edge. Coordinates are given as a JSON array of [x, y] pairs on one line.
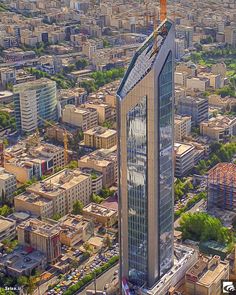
[[182, 148], [100, 132], [99, 210], [5, 223], [39, 227], [33, 199], [36, 84], [220, 122]]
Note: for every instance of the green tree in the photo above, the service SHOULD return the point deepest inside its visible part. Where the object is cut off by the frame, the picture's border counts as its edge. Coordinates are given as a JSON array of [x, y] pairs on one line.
[[56, 216], [28, 284], [5, 210], [77, 207], [6, 292], [81, 64]]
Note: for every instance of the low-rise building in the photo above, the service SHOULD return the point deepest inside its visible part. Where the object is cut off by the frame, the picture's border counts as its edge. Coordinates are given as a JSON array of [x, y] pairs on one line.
[[219, 129], [85, 118], [7, 228], [198, 83], [75, 229], [7, 184], [27, 160], [182, 127], [41, 236], [100, 137], [206, 275], [184, 158], [23, 262], [105, 113], [64, 189], [195, 107], [100, 214], [103, 161]]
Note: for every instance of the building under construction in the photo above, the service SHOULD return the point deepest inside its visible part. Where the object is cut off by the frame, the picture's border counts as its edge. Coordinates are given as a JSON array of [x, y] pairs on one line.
[[222, 186]]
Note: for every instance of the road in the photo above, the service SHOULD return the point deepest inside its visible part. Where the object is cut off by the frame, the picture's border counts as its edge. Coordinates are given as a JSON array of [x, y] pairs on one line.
[[101, 281], [193, 209]]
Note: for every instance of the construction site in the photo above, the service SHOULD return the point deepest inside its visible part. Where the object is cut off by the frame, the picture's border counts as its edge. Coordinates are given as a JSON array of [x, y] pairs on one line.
[[222, 186]]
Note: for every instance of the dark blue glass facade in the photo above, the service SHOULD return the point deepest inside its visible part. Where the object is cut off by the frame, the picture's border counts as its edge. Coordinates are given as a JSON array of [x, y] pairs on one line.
[[165, 163], [137, 192]]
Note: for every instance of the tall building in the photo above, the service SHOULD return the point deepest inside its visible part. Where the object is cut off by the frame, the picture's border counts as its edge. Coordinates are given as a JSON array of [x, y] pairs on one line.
[[34, 101], [146, 108]]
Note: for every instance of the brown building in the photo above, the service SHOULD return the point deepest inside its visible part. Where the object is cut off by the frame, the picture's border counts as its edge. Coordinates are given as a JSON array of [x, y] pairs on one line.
[[40, 236], [105, 113], [100, 137], [205, 277]]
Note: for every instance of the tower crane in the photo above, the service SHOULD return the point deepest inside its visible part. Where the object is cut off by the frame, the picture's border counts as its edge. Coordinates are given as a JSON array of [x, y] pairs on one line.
[[163, 16]]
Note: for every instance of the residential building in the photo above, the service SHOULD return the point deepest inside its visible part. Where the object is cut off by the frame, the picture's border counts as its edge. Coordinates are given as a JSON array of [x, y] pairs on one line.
[[182, 127], [7, 229], [100, 214], [35, 102], [100, 137], [103, 161], [75, 229], [221, 186], [97, 179], [198, 83], [224, 103], [219, 128], [64, 189], [206, 275], [230, 36], [85, 118], [41, 236], [35, 204], [29, 160], [8, 76], [7, 184], [184, 158], [195, 107], [145, 101], [23, 262], [75, 96], [105, 113]]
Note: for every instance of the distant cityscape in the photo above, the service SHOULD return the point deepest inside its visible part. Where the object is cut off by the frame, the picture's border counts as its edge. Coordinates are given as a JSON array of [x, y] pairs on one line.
[[117, 147]]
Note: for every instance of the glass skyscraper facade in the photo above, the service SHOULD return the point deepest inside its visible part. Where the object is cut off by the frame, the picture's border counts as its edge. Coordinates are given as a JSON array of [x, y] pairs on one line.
[[145, 112]]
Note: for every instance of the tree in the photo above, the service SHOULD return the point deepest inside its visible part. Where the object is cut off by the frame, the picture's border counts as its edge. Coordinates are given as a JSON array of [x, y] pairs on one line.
[[81, 64], [77, 207], [6, 292], [107, 241], [56, 216], [5, 210], [28, 284]]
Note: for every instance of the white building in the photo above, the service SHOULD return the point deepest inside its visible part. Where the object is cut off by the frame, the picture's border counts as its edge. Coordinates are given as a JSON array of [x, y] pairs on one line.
[[7, 184]]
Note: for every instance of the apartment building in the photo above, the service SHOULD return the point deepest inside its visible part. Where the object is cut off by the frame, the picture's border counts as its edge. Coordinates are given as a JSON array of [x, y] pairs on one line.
[[64, 189], [35, 102], [105, 113], [184, 158], [103, 161], [219, 129], [206, 275], [84, 118], [100, 137], [35, 204], [41, 236], [75, 229], [7, 228], [7, 184], [198, 83], [195, 107], [182, 127], [98, 213], [27, 161]]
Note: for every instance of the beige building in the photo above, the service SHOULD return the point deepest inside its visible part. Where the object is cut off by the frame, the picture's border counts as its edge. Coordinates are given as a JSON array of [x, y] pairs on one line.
[[206, 276], [7, 184], [184, 158], [85, 118], [75, 229], [100, 137], [103, 161], [26, 161], [226, 103], [7, 228], [219, 129], [182, 127], [198, 83], [105, 113], [41, 236], [100, 214], [64, 189], [35, 204]]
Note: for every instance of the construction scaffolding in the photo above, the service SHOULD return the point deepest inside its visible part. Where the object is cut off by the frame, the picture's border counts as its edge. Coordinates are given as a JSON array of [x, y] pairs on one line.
[[222, 186]]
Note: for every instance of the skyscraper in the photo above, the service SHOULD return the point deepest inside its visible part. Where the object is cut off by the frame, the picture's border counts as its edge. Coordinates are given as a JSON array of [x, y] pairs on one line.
[[35, 100], [145, 111]]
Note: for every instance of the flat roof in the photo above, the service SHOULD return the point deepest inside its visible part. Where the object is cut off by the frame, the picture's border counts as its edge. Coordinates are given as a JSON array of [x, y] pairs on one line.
[[5, 223]]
